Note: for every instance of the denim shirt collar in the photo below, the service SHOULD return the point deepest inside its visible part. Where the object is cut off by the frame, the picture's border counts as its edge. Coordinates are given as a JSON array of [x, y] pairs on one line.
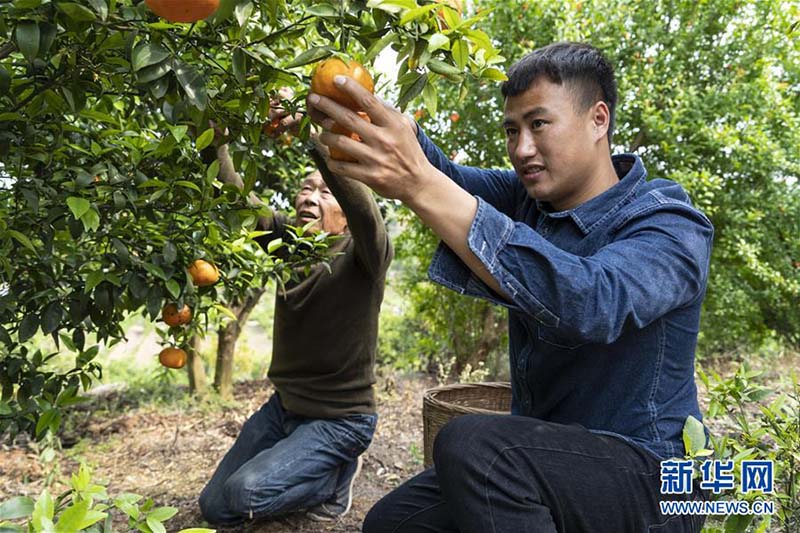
[[592, 213]]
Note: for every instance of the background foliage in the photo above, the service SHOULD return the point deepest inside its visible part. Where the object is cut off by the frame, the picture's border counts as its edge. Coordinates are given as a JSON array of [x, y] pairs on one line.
[[709, 97]]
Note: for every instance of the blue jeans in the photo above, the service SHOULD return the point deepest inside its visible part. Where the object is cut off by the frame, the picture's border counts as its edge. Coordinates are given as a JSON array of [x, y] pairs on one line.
[[513, 474], [282, 462]]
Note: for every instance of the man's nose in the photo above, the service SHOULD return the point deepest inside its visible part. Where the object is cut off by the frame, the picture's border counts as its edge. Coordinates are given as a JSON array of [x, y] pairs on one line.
[[313, 198], [526, 146]]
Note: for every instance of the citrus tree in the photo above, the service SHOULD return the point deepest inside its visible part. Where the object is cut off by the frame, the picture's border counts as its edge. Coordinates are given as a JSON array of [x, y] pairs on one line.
[[107, 188]]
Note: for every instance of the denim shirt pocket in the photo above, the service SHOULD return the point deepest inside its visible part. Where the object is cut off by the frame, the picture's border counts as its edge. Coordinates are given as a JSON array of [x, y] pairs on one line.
[[559, 338]]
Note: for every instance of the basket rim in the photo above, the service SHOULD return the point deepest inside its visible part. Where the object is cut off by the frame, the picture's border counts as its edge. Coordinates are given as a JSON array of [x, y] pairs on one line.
[[430, 399]]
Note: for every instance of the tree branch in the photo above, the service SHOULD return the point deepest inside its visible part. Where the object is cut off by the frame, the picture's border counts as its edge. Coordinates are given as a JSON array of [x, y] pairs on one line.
[[7, 49]]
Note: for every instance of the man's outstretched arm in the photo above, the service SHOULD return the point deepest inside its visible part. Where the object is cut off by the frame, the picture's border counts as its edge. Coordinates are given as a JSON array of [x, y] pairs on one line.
[[391, 162], [372, 244]]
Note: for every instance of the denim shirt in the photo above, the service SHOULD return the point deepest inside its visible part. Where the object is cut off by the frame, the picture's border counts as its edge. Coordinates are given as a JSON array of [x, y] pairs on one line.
[[605, 298]]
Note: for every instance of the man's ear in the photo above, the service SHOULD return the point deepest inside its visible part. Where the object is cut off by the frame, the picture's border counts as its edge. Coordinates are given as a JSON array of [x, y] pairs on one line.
[[601, 119]]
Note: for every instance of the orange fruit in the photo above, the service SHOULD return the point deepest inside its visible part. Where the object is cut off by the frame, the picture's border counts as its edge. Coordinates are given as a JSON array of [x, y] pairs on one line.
[[172, 317], [322, 80], [203, 273], [454, 116], [272, 127], [338, 154], [183, 10], [172, 357]]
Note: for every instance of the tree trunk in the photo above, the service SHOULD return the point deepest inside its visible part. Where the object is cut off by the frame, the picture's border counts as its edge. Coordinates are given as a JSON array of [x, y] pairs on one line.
[[227, 336], [195, 368]]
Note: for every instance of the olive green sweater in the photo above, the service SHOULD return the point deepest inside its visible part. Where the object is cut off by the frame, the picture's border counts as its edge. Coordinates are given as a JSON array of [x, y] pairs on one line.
[[326, 325]]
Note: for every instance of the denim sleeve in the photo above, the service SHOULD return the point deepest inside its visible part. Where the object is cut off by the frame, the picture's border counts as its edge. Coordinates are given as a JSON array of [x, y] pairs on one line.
[[500, 188], [657, 262]]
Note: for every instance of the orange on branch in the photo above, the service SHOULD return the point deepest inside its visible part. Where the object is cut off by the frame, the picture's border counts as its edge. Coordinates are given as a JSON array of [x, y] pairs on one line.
[[203, 273], [183, 10], [339, 155], [172, 357], [326, 71], [271, 127], [173, 317]]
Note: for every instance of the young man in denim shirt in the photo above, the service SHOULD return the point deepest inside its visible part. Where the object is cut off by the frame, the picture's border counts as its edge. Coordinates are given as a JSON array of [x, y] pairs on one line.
[[603, 274]]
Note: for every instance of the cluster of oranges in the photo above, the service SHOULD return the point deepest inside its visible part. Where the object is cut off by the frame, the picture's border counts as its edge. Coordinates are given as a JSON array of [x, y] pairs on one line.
[[203, 274]]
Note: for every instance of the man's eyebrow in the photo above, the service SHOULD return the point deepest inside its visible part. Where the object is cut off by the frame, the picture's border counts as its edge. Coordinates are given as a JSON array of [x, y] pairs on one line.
[[538, 110]]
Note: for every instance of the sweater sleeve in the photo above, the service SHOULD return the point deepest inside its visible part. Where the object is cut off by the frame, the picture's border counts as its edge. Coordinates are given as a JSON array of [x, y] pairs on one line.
[[372, 245]]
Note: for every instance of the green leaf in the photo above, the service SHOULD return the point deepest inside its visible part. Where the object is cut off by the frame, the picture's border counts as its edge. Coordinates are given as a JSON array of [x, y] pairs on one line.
[[93, 280], [322, 10], [100, 7], [170, 252], [274, 244], [411, 90], [5, 338], [71, 518], [213, 171], [737, 523], [225, 311], [179, 132], [392, 6], [18, 507], [27, 4], [162, 514], [76, 11], [147, 54], [174, 288], [51, 317], [414, 14], [188, 185], [378, 46], [431, 98], [197, 530], [193, 84], [694, 435], [445, 69], [154, 72], [28, 39], [309, 56], [438, 41], [28, 327], [155, 270], [205, 139], [78, 206], [48, 419], [460, 51], [242, 12], [239, 66], [22, 239], [91, 220], [155, 525], [479, 38], [43, 509], [492, 73]]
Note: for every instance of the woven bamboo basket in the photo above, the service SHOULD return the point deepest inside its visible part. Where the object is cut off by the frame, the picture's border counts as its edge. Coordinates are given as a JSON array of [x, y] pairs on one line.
[[441, 404]]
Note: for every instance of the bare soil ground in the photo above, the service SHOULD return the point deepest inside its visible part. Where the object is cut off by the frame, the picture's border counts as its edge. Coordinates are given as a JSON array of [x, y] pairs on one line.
[[168, 454]]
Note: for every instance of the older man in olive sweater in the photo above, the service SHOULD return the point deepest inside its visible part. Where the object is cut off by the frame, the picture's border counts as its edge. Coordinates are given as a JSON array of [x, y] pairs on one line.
[[301, 450]]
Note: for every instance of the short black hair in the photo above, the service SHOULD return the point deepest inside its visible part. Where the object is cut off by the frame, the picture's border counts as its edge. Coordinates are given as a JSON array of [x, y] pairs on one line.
[[580, 65]]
